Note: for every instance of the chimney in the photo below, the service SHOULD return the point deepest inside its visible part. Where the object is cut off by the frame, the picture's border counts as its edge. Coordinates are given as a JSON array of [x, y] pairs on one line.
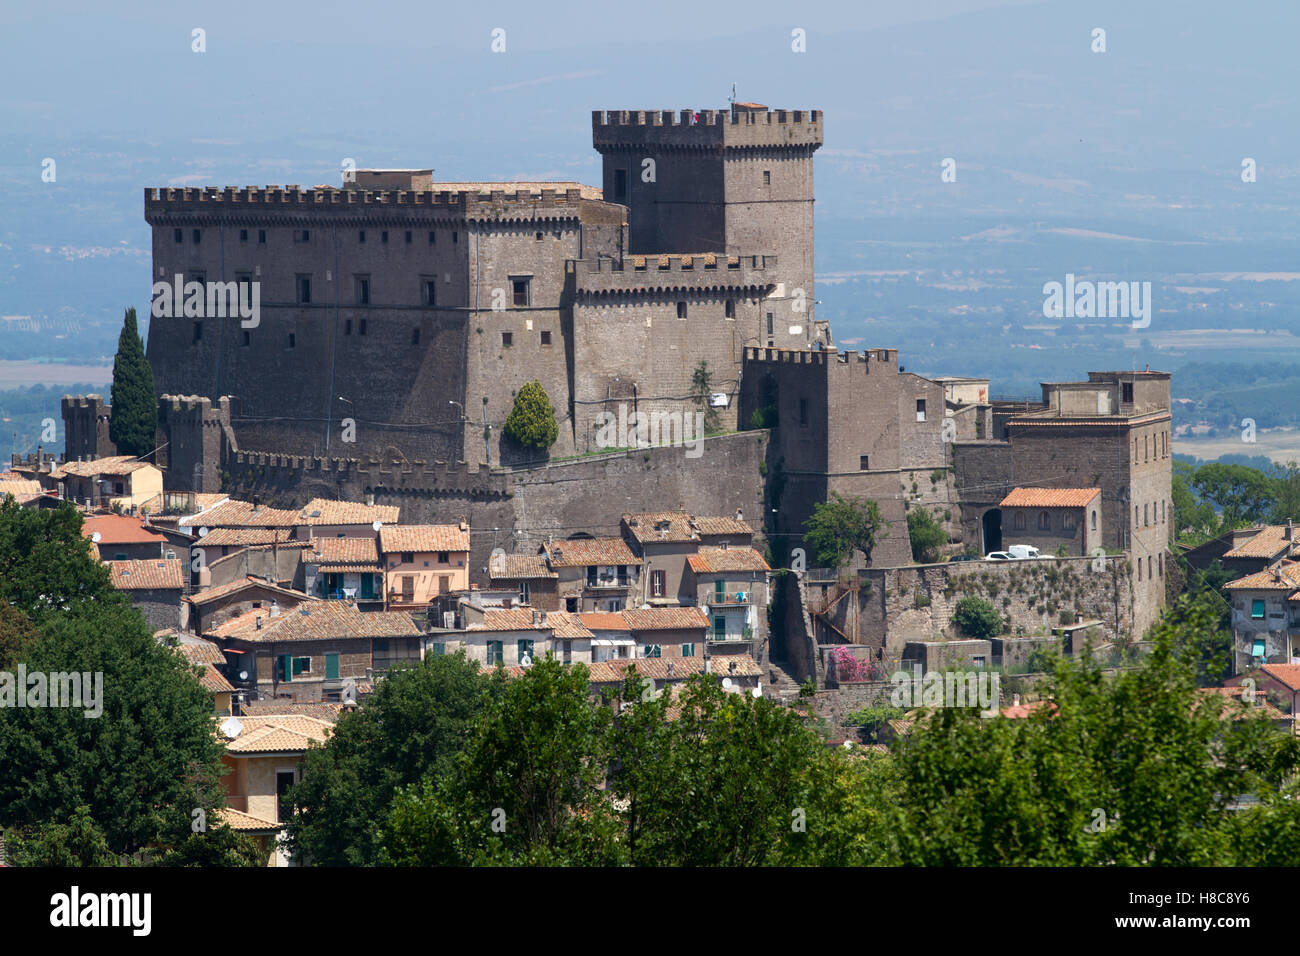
[[259, 622], [1289, 530], [370, 499], [536, 618], [257, 504]]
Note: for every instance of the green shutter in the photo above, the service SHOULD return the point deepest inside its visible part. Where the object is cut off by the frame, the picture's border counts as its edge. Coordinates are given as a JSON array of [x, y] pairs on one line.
[[331, 667], [286, 667]]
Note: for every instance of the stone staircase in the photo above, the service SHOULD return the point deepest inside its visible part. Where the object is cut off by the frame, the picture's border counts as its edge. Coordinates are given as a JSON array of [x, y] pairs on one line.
[[780, 686]]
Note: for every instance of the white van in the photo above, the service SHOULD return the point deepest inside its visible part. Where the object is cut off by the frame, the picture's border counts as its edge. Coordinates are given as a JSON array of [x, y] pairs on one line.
[[1022, 551]]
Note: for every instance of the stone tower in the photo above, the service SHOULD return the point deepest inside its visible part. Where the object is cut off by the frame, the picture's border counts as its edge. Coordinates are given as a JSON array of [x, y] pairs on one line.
[[85, 428], [737, 181]]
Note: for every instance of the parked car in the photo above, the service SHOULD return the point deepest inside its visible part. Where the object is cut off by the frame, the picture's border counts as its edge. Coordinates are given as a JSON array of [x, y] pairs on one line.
[[964, 557], [1017, 552], [999, 556]]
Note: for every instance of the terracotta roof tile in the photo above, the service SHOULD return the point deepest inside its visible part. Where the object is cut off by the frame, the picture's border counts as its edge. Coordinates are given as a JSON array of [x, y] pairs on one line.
[[213, 680], [719, 560], [245, 822], [666, 619], [358, 551], [248, 582], [1049, 497], [240, 514], [585, 552], [561, 623], [278, 734], [423, 537], [326, 710], [320, 621], [116, 465], [1284, 577], [1261, 704], [512, 567], [710, 525], [1288, 675], [153, 574], [198, 651], [118, 529], [1270, 542], [604, 621], [326, 511], [654, 526], [235, 537]]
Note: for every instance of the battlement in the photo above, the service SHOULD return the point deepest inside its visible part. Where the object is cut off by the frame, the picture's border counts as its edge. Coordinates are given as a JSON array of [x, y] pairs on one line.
[[822, 357], [694, 271], [91, 401], [197, 407], [477, 203], [727, 128], [392, 476]]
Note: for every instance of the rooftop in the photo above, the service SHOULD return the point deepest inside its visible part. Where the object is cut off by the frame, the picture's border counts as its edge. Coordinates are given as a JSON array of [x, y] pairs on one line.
[[118, 529], [1049, 497], [325, 511], [152, 574], [584, 552], [423, 538], [719, 560]]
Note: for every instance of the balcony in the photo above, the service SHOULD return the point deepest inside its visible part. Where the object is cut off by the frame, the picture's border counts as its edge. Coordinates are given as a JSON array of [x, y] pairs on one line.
[[607, 584], [719, 599]]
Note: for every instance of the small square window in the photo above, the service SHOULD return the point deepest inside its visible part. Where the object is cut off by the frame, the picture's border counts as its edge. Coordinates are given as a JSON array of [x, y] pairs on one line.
[[408, 237], [243, 235], [430, 291], [444, 557], [361, 327], [261, 237], [863, 462], [546, 338], [198, 331], [803, 413], [361, 236], [538, 237], [304, 289], [293, 341], [920, 409], [731, 309], [507, 339], [433, 238], [363, 290], [1257, 609], [179, 235], [383, 236], [248, 338], [415, 336], [347, 326], [767, 177], [681, 310], [455, 237], [197, 236]]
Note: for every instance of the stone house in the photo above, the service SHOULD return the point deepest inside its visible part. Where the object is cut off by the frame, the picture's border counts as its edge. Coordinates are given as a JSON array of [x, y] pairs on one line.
[[1265, 617], [666, 539], [530, 575], [421, 562], [315, 652], [1053, 518], [264, 755], [119, 481], [205, 610], [494, 636], [345, 568], [612, 638], [123, 538], [731, 584], [594, 574], [328, 518], [1254, 549], [154, 586], [668, 631]]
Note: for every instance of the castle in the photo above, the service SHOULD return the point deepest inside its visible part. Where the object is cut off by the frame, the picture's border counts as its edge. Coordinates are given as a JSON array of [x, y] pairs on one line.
[[399, 317]]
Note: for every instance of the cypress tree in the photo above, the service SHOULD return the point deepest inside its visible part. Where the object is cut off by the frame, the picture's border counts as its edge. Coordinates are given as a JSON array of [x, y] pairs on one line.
[[135, 410]]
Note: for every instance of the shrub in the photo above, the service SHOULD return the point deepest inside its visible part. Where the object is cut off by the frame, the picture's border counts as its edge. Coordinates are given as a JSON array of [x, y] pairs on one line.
[[532, 421], [977, 618]]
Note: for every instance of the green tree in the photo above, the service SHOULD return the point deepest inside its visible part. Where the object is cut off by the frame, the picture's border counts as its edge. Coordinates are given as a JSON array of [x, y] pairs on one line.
[[702, 390], [135, 408], [17, 635], [1242, 494], [726, 783], [926, 534], [1286, 493], [526, 789], [79, 842], [532, 420], [150, 757], [410, 728], [1195, 521], [840, 526], [977, 618], [218, 846]]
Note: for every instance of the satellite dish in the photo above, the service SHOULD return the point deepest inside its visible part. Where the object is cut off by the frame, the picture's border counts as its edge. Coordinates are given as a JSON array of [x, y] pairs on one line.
[[95, 537], [848, 745], [376, 524], [350, 692], [757, 692], [243, 675], [232, 728], [203, 532], [726, 683], [525, 661]]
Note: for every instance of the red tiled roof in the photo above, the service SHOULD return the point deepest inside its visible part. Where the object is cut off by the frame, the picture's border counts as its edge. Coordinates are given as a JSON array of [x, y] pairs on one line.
[[512, 567], [423, 537], [720, 560], [119, 529], [358, 551], [1049, 497], [1269, 542], [222, 590], [604, 621], [710, 525], [213, 680], [116, 465], [585, 552], [561, 623], [1288, 675], [321, 621], [241, 514], [326, 511], [234, 537], [153, 574], [666, 619], [1284, 577]]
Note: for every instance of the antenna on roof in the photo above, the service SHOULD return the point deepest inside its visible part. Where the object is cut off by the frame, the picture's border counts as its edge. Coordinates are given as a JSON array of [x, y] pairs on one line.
[[732, 99]]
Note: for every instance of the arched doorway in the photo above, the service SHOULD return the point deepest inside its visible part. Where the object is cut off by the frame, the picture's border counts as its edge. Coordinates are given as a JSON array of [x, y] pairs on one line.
[[992, 527]]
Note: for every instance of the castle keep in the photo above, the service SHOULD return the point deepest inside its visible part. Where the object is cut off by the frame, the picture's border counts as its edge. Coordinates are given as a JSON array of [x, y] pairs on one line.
[[413, 310]]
